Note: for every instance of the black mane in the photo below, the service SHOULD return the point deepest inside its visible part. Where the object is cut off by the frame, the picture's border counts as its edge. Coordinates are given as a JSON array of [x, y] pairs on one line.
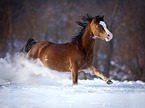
[[87, 19]]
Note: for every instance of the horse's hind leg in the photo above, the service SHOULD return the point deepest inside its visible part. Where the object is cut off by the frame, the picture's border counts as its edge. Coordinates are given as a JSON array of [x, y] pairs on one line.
[[96, 72], [33, 53]]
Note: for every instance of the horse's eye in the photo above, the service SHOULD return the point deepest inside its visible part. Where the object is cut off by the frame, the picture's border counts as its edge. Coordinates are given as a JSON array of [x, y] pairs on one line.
[[99, 26]]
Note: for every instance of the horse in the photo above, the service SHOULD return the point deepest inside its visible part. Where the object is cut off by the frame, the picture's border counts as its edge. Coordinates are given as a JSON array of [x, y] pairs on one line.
[[75, 55]]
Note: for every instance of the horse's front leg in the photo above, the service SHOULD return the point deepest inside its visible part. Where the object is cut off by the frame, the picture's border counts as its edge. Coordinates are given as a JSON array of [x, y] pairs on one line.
[[74, 73], [96, 72]]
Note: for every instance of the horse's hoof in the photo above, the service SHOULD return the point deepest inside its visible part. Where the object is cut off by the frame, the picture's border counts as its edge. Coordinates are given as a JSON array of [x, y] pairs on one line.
[[109, 82], [75, 83]]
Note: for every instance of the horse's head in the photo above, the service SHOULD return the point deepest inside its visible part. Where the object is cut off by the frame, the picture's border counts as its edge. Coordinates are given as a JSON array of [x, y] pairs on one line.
[[99, 29]]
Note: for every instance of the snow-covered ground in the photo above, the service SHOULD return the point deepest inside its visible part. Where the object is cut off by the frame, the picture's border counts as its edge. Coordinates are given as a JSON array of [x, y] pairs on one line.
[[26, 84]]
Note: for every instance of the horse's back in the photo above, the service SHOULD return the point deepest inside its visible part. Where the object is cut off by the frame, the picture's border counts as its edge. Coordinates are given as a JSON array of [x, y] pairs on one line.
[[36, 50], [57, 56], [54, 56]]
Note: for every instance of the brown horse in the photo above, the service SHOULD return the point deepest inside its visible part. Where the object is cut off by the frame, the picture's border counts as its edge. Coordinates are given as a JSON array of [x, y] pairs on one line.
[[75, 55]]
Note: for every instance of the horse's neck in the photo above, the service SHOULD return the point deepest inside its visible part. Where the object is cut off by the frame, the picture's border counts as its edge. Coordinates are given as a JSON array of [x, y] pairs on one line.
[[87, 41]]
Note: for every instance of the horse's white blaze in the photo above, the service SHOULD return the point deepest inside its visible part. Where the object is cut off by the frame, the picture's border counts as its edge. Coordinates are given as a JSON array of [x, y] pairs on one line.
[[108, 38]]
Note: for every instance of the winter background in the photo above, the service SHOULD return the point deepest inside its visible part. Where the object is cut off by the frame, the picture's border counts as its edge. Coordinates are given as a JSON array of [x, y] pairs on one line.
[[28, 84]]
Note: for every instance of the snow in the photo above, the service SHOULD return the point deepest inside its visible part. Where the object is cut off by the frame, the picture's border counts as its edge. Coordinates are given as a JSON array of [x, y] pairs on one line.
[[27, 84]]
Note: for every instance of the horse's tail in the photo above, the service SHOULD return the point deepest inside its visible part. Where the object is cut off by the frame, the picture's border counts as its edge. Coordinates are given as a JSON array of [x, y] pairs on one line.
[[30, 43]]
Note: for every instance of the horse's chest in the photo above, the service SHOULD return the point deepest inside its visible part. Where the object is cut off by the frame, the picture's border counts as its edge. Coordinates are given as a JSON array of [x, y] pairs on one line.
[[85, 62]]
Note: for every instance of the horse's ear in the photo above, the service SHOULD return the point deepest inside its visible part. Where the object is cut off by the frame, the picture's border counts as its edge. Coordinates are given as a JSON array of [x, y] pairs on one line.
[[102, 18], [99, 18]]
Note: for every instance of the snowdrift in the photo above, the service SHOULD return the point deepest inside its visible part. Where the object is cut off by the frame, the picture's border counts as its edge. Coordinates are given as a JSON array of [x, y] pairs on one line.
[[27, 84]]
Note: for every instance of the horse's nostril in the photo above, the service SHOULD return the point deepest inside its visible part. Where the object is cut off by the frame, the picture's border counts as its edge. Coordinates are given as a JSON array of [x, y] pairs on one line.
[[108, 35]]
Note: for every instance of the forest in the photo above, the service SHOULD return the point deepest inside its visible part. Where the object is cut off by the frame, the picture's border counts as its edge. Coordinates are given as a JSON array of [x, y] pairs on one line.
[[123, 58]]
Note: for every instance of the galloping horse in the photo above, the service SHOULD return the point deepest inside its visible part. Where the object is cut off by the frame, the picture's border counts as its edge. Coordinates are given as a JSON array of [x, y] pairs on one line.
[[75, 55]]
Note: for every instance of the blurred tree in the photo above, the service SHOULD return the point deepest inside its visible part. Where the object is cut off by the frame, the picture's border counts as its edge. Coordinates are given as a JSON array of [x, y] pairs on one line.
[[111, 43]]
